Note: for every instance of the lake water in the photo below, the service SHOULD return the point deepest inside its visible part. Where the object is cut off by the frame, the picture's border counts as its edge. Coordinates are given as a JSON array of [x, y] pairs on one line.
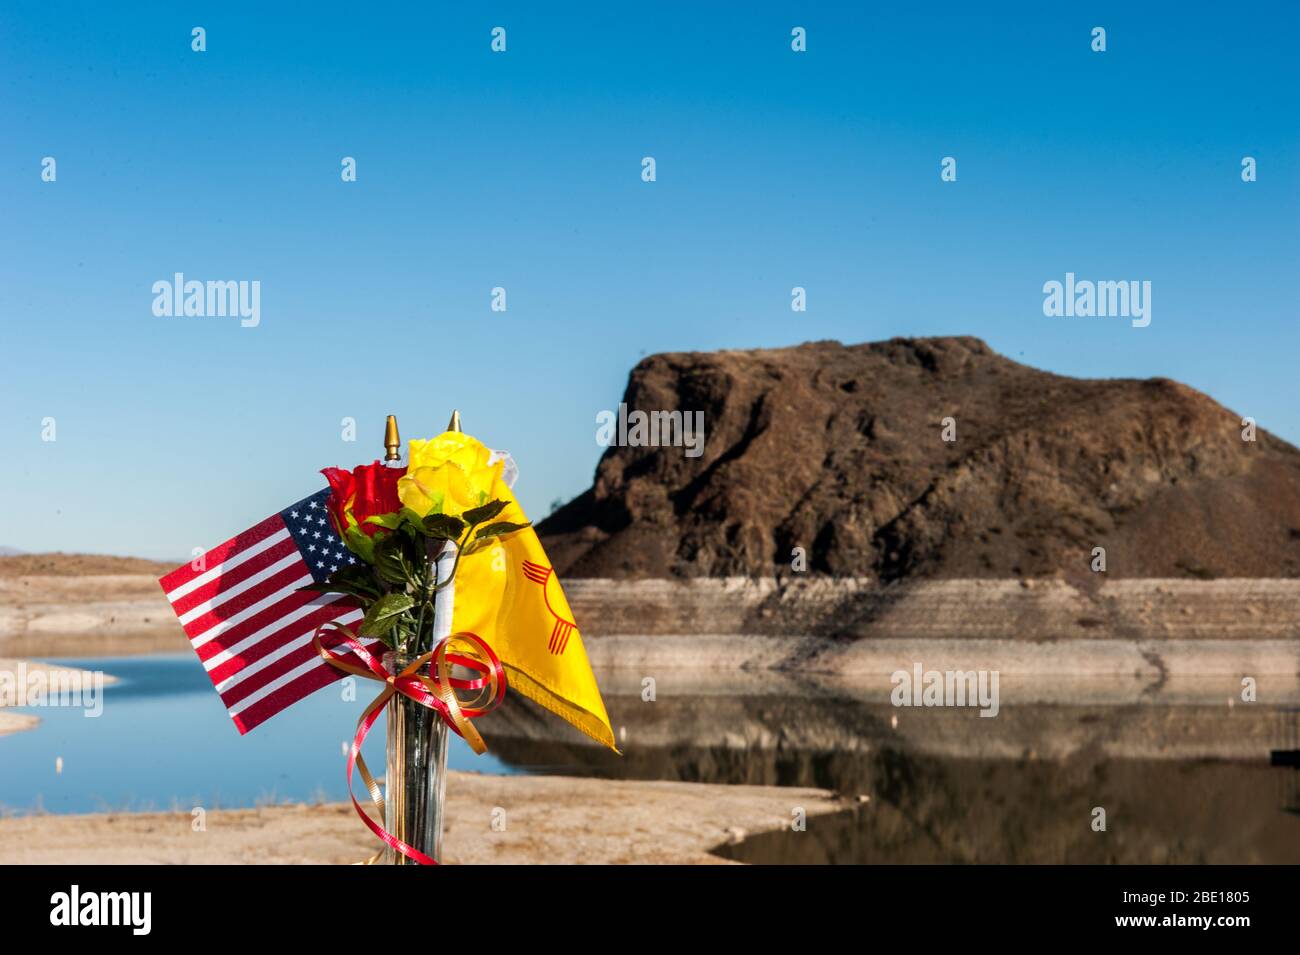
[[164, 741], [1182, 776]]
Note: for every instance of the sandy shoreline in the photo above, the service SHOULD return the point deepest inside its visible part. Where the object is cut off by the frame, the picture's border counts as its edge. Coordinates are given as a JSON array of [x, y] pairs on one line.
[[833, 626], [11, 668], [548, 819], [92, 615], [38, 606], [14, 722]]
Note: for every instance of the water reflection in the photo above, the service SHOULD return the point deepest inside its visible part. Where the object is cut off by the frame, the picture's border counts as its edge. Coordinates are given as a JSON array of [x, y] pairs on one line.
[[1183, 775], [923, 809]]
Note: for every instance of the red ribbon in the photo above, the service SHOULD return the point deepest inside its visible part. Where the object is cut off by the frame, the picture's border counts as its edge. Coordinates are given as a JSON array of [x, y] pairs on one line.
[[436, 691]]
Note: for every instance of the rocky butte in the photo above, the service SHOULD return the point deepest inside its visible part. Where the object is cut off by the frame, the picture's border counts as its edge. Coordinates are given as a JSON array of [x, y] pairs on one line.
[[839, 450]]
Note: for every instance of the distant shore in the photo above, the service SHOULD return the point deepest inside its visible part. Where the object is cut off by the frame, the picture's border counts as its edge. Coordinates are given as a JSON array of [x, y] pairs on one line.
[[80, 605], [15, 722], [539, 819], [13, 671], [830, 625]]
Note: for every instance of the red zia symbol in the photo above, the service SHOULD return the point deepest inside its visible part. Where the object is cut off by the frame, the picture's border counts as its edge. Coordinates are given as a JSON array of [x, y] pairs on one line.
[[560, 632]]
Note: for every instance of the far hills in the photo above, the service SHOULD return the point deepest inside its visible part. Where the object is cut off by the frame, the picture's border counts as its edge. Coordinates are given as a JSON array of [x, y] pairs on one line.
[[838, 449]]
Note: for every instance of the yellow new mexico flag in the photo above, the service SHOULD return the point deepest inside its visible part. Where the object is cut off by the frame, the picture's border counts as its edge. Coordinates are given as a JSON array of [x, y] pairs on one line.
[[509, 595]]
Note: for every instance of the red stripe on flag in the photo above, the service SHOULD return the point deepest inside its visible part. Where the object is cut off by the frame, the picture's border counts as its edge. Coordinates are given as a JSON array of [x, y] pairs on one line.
[[270, 674], [199, 625], [279, 668], [291, 693], [259, 620], [235, 576], [219, 554], [270, 644]]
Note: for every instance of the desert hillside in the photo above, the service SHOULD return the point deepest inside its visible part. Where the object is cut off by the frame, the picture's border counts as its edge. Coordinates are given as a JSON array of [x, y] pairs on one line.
[[838, 449], [79, 565]]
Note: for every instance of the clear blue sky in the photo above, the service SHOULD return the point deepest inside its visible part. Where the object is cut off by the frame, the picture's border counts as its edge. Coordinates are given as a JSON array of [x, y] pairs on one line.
[[522, 170]]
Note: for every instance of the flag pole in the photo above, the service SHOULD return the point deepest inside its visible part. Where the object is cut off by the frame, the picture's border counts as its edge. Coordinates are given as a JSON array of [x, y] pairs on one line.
[[415, 783], [444, 562]]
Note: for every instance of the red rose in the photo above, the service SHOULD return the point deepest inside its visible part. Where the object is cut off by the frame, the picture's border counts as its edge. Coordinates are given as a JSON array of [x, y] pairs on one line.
[[369, 491]]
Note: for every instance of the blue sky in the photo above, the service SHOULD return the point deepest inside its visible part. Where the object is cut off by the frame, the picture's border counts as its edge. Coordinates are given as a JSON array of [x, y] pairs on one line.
[[522, 170]]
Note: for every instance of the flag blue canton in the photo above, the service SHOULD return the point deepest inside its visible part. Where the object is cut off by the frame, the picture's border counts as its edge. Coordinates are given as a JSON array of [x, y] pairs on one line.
[[309, 524]]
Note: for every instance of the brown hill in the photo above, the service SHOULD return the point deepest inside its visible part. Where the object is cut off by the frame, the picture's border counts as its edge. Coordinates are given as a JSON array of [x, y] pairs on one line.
[[80, 565], [838, 449]]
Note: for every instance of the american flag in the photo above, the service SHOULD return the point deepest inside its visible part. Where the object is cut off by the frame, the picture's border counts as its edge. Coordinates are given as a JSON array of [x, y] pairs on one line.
[[246, 618]]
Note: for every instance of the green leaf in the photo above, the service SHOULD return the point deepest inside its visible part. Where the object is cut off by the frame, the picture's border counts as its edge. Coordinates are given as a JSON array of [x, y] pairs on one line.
[[475, 546], [498, 529], [411, 517], [415, 550], [358, 574], [385, 520], [444, 527], [384, 613], [356, 580], [478, 515], [360, 544], [391, 564]]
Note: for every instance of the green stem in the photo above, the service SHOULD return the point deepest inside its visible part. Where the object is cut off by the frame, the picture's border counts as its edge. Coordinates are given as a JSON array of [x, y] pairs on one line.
[[423, 589], [433, 585], [419, 626], [460, 549]]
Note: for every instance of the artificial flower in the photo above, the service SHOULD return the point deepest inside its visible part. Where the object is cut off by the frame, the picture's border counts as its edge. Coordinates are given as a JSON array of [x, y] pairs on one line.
[[369, 490], [449, 474]]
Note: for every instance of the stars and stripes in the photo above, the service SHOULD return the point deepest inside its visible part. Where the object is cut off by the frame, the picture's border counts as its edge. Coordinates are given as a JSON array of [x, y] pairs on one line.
[[248, 621]]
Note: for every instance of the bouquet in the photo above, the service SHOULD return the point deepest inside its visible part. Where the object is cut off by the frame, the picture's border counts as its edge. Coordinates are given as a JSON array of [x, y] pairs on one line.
[[450, 590], [450, 498]]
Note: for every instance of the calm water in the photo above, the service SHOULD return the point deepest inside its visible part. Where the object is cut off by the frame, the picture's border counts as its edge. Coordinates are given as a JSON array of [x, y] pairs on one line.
[[164, 741], [1182, 776]]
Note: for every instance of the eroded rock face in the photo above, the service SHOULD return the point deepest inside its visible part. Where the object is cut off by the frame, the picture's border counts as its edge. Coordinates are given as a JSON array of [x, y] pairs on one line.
[[839, 450]]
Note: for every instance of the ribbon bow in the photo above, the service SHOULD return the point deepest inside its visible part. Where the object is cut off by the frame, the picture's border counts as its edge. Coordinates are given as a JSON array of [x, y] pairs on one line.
[[436, 691]]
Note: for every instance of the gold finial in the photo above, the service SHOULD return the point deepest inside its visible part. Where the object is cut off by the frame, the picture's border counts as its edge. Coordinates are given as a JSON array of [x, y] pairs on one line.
[[454, 423], [392, 442]]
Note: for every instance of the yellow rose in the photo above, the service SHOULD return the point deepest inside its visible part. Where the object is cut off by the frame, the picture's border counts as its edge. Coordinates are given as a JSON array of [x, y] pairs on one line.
[[454, 447], [449, 474]]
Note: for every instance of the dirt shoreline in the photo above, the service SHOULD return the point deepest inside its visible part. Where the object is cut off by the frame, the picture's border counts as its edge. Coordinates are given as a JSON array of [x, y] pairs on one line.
[[1155, 630], [547, 819], [11, 669], [16, 722], [54, 614]]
